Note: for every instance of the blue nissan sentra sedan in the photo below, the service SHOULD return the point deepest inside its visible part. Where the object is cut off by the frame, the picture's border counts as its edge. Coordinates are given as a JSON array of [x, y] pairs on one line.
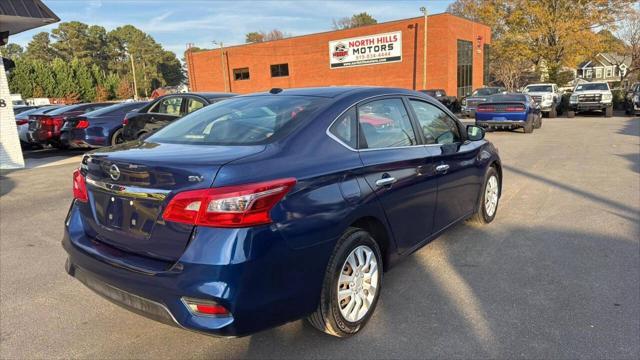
[[509, 111], [270, 207]]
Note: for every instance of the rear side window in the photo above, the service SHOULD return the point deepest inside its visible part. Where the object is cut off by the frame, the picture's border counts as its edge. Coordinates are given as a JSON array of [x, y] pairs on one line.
[[345, 128], [385, 124], [241, 121], [169, 106], [436, 125], [193, 105]]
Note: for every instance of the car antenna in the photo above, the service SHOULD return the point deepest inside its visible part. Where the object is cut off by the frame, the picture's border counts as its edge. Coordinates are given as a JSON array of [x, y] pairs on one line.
[[275, 90]]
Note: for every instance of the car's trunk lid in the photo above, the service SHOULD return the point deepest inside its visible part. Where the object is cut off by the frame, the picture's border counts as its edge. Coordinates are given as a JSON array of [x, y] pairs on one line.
[[129, 186]]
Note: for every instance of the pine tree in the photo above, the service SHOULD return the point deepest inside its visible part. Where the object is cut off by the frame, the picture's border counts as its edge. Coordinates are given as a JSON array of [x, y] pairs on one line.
[[86, 85]]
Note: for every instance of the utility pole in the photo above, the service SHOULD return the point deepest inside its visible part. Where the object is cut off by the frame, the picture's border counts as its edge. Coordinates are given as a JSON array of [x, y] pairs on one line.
[[135, 83], [424, 60], [224, 71]]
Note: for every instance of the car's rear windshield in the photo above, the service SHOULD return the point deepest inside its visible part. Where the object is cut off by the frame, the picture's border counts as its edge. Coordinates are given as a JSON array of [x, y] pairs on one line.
[[120, 108], [486, 91], [595, 86], [64, 109], [538, 88], [508, 98], [241, 121]]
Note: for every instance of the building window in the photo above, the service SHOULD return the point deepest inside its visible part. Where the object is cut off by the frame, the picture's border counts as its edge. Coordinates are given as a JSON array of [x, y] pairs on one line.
[[485, 64], [465, 68], [589, 74], [609, 72], [598, 73], [241, 74], [279, 70]]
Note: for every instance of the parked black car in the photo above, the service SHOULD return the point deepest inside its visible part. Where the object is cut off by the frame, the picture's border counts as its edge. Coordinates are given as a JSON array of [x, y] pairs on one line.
[[632, 100], [451, 102], [164, 110]]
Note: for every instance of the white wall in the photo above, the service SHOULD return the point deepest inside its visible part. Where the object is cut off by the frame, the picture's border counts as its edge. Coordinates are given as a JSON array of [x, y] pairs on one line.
[[10, 151]]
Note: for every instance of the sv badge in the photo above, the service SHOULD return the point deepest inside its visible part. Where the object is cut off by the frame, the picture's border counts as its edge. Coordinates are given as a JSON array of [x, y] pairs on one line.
[[195, 178]]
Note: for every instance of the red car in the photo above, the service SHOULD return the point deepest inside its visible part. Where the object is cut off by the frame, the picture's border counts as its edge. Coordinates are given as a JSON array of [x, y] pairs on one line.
[[44, 129]]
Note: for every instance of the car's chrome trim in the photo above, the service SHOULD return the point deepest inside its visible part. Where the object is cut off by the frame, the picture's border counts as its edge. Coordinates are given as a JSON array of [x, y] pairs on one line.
[[129, 191]]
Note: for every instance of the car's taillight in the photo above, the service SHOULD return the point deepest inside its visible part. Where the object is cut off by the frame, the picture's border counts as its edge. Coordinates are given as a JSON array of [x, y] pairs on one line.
[[125, 121], [79, 187], [230, 206], [485, 108], [517, 108], [21, 122], [52, 121], [82, 123]]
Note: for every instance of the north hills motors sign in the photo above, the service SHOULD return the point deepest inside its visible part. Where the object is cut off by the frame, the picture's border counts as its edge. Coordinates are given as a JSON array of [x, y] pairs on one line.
[[366, 50]]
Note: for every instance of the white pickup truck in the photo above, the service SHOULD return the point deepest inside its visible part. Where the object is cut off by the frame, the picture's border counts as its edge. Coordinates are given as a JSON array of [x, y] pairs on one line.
[[547, 96], [591, 96]]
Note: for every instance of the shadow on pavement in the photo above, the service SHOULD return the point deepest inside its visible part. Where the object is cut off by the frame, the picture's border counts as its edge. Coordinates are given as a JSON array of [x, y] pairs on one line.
[[6, 185], [472, 294], [575, 190]]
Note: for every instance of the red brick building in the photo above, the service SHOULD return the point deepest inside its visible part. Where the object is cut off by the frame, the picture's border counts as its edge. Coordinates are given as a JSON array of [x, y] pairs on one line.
[[386, 54]]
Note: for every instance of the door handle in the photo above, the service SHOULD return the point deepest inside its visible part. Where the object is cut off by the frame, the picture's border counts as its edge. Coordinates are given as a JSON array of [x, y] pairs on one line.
[[442, 168], [386, 181]]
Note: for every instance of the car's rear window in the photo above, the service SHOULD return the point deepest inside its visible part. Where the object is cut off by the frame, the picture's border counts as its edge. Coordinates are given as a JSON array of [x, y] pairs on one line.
[[120, 108], [499, 98], [241, 121], [486, 91], [64, 109]]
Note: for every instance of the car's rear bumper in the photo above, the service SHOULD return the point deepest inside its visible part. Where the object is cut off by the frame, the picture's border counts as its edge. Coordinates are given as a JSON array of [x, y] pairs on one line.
[[79, 138], [251, 272], [500, 124]]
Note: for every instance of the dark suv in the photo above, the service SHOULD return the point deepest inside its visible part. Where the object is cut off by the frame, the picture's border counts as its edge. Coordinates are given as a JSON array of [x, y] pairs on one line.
[[164, 110]]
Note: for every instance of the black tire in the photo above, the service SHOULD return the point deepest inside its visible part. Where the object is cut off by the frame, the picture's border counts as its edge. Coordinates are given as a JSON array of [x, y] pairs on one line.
[[553, 113], [571, 114], [608, 112], [327, 317], [480, 216], [61, 146], [537, 124], [117, 137], [528, 126]]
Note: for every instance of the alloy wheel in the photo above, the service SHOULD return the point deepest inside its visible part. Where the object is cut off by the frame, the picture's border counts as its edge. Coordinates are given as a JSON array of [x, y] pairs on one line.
[[491, 196], [358, 283]]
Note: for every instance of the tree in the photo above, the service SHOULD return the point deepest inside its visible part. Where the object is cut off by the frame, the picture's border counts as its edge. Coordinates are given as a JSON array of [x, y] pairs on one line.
[[629, 33], [84, 80], [354, 21], [43, 77], [260, 36], [254, 37], [67, 87], [21, 78], [553, 33], [11, 51], [40, 48]]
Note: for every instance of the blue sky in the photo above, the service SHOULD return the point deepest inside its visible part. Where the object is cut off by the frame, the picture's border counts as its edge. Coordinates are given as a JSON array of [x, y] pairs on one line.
[[174, 23]]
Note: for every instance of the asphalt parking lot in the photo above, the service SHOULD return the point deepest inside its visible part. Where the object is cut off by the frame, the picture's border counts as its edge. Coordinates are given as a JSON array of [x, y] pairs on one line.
[[557, 275]]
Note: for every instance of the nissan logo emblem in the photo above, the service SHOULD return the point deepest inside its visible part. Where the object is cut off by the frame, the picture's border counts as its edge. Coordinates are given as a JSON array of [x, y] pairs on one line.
[[114, 172]]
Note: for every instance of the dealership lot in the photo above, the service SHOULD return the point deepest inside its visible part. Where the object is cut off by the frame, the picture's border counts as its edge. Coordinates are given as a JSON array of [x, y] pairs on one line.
[[555, 276]]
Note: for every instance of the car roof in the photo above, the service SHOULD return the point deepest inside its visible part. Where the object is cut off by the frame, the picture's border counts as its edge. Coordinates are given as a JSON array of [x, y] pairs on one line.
[[212, 95], [540, 84], [336, 91]]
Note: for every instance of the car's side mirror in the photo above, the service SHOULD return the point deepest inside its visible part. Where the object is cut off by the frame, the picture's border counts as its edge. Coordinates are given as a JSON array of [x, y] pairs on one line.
[[475, 133]]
